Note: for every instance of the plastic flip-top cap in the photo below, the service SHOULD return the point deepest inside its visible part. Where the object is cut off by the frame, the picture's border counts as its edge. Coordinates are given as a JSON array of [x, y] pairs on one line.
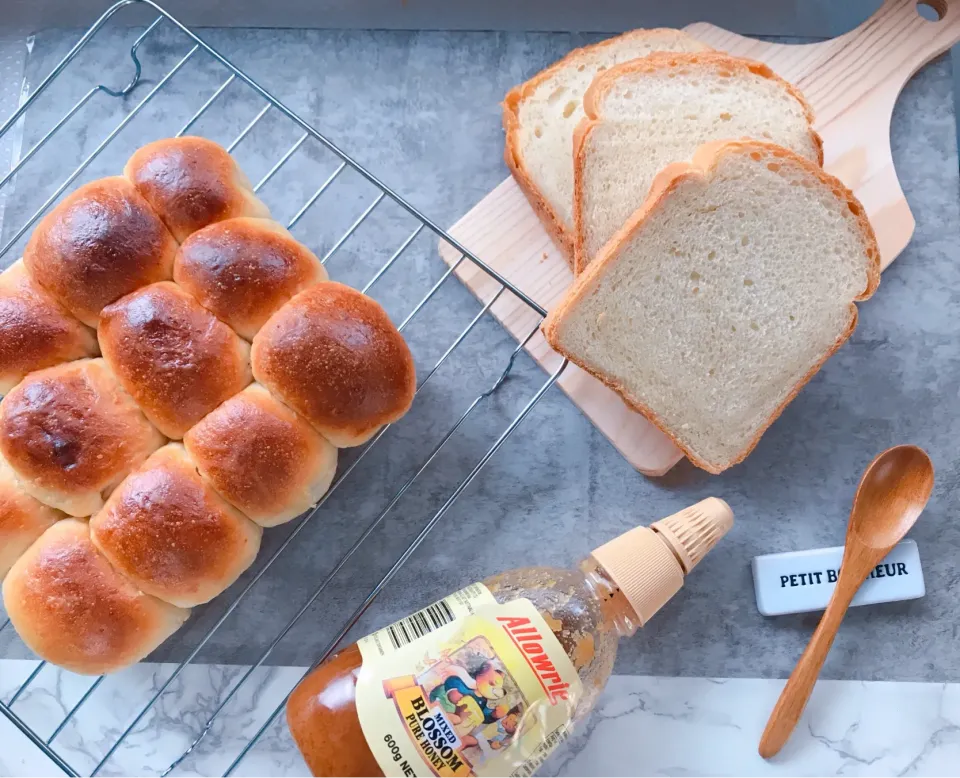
[[648, 563], [692, 532]]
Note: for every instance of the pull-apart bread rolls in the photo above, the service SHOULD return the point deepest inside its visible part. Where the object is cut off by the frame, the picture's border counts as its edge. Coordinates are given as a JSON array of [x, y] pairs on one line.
[[171, 535], [72, 434], [100, 243], [73, 609], [174, 357], [244, 269], [23, 518], [333, 355], [192, 182], [262, 457], [35, 330], [178, 267]]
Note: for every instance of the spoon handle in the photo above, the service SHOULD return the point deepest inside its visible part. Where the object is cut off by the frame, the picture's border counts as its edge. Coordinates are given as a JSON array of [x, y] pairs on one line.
[[793, 699]]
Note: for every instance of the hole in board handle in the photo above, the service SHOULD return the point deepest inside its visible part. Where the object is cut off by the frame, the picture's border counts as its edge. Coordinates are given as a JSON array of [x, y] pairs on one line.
[[932, 10]]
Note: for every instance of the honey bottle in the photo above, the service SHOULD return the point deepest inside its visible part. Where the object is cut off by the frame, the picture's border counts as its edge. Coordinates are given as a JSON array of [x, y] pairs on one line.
[[489, 680]]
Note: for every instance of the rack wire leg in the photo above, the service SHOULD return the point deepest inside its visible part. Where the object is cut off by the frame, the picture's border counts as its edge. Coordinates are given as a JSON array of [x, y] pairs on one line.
[[97, 151], [59, 67], [48, 752], [23, 687]]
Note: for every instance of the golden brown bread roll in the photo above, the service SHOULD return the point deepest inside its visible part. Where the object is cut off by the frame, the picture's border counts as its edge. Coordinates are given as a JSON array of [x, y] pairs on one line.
[[167, 531], [176, 359], [261, 457], [35, 331], [74, 610], [244, 269], [333, 355], [100, 243], [72, 434], [192, 182], [23, 518]]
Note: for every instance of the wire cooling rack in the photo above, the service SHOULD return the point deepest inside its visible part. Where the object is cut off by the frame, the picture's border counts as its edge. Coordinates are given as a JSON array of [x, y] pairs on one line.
[[133, 100]]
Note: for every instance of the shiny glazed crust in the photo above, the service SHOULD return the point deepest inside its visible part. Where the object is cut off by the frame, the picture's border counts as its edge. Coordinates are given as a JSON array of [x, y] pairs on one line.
[[171, 535], [169, 531], [191, 182], [262, 457], [702, 166], [72, 608], [333, 355], [659, 61], [37, 331], [174, 357], [72, 433], [562, 236], [100, 243], [242, 270]]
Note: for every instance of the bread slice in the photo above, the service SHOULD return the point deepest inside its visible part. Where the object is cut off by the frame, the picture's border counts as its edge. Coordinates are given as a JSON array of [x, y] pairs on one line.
[[540, 115], [721, 297], [642, 115]]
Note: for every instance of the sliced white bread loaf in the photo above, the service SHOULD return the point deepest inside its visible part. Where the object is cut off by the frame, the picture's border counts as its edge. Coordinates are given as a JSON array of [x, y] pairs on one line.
[[539, 117], [722, 296], [642, 115]]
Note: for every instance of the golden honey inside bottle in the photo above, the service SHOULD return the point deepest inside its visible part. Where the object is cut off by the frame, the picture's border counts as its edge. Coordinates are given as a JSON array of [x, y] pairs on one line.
[[489, 680]]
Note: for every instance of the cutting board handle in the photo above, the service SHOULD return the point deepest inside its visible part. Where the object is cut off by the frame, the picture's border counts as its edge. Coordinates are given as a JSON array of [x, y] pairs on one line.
[[871, 62], [897, 41], [853, 82]]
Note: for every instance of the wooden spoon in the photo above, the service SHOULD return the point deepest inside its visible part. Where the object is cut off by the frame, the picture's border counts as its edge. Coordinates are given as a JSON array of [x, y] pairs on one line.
[[891, 495]]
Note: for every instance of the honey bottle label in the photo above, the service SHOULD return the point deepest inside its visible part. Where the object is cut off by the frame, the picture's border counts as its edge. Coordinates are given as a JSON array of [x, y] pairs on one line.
[[466, 686]]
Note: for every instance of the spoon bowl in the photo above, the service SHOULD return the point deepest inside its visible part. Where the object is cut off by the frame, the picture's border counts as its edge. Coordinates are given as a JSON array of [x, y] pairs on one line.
[[893, 492]]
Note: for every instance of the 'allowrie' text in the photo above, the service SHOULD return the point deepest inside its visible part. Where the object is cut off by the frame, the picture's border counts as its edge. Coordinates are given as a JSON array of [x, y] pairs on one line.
[[530, 641]]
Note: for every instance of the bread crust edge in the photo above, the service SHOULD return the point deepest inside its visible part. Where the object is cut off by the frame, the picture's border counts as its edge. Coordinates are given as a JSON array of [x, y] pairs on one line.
[[701, 166], [581, 134], [560, 234], [511, 156], [603, 83]]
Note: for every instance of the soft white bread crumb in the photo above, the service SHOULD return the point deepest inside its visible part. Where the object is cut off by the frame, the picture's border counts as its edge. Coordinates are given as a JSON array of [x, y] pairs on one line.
[[722, 296], [643, 115], [540, 116]]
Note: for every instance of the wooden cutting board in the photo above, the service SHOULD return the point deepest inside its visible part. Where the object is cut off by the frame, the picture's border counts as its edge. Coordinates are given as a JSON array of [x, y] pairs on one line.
[[852, 83]]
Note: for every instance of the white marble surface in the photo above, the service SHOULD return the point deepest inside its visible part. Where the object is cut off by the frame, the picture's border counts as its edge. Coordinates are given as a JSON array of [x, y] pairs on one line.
[[702, 726], [642, 726], [163, 734]]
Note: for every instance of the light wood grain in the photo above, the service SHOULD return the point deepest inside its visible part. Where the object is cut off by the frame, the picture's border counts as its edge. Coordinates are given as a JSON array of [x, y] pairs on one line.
[[852, 82], [892, 494]]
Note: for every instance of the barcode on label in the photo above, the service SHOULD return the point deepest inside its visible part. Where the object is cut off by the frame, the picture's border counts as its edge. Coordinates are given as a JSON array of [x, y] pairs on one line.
[[420, 623], [539, 756], [527, 769]]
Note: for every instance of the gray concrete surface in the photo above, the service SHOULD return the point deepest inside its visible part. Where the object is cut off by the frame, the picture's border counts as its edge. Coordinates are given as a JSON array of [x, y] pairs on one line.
[[420, 109], [772, 17]]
